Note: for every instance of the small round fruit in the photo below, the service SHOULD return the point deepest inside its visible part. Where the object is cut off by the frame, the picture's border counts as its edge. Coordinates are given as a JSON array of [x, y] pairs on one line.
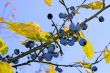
[[30, 44], [56, 54], [40, 58], [63, 41], [72, 27], [61, 15], [78, 28], [51, 48], [49, 16], [7, 56], [73, 13], [71, 42], [94, 68], [61, 31], [58, 69], [101, 19], [16, 51], [16, 61], [84, 27], [72, 8], [74, 39], [70, 16], [47, 56], [33, 56], [82, 42]]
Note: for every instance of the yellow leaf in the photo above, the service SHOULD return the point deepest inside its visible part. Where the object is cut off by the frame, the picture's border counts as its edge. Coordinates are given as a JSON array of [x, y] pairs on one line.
[[52, 69], [85, 64], [76, 12], [45, 36], [4, 51], [94, 5], [66, 28], [3, 47], [107, 56], [88, 50], [6, 68], [30, 30], [48, 2]]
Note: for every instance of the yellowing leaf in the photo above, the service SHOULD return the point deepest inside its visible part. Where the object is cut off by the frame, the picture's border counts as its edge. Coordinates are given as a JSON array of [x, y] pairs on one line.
[[6, 68], [30, 30], [107, 56], [94, 5], [45, 36], [76, 12], [88, 50], [48, 2], [4, 51], [66, 28], [3, 47], [52, 69], [85, 64]]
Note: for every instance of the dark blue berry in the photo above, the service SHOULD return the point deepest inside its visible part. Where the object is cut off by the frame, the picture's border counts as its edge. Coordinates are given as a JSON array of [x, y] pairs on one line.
[[71, 42], [72, 8], [94, 68], [4, 59], [58, 69], [70, 16], [78, 28], [84, 27], [63, 41], [65, 16], [33, 56], [51, 47], [61, 31], [16, 51], [72, 27], [61, 15], [7, 56], [82, 42], [101, 19], [73, 13], [49, 16], [16, 61], [30, 44], [74, 38], [56, 54], [40, 58], [47, 56]]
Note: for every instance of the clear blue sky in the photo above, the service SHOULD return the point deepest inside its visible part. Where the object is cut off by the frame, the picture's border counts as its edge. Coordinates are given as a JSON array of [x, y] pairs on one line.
[[36, 10]]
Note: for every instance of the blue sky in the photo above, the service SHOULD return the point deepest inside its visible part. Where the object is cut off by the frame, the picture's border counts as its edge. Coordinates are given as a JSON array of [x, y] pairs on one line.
[[37, 10]]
